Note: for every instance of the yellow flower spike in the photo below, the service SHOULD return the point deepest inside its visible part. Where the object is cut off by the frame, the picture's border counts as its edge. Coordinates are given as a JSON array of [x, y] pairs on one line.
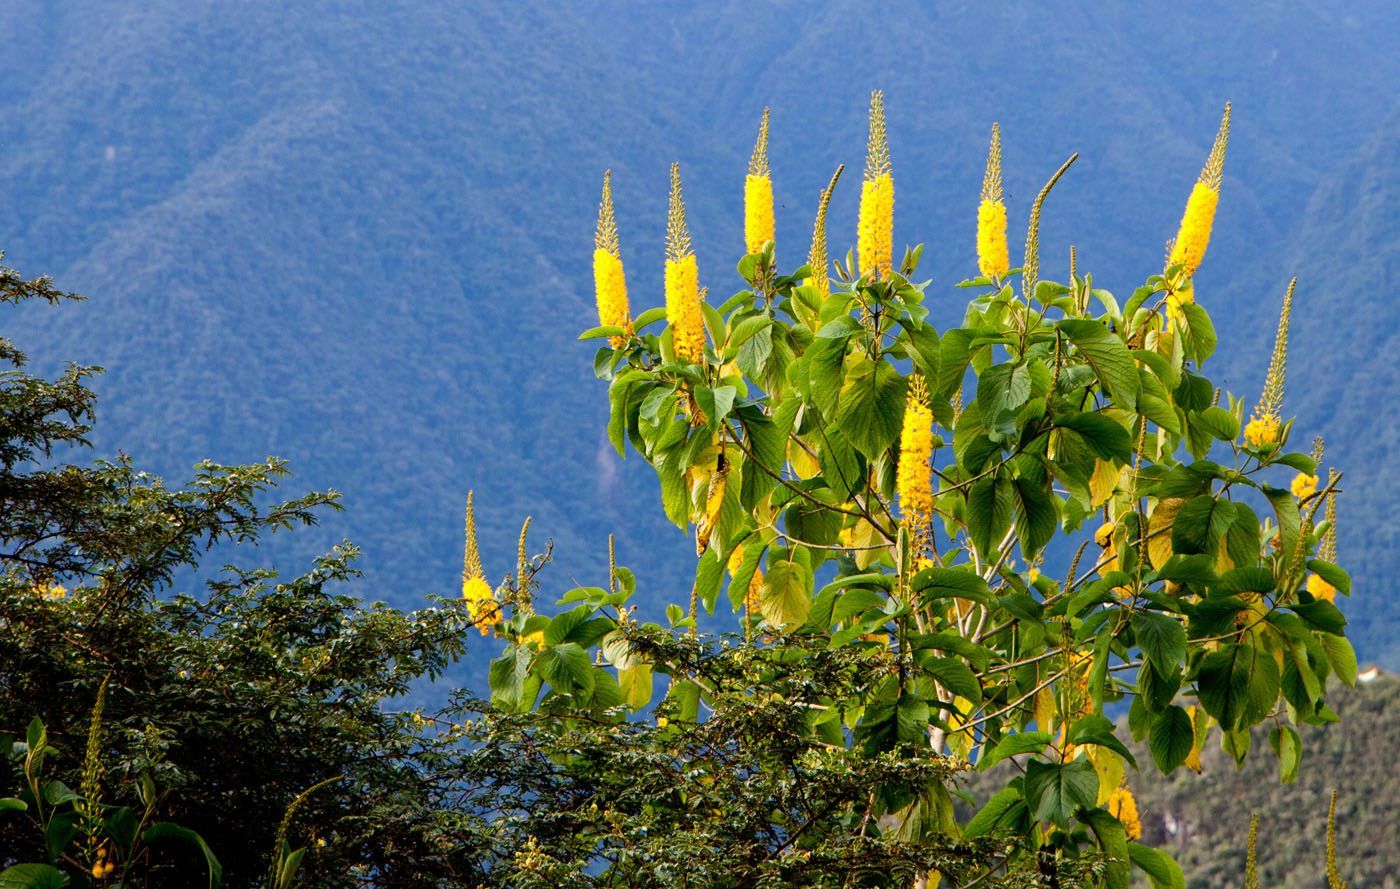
[[481, 600], [912, 479], [1122, 806], [758, 194], [609, 282], [1265, 425], [993, 258], [817, 259], [682, 281], [1193, 235], [875, 231]]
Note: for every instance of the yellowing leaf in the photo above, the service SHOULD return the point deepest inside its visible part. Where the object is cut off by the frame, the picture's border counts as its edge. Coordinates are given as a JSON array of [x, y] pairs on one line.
[[1159, 530], [803, 463], [1103, 482]]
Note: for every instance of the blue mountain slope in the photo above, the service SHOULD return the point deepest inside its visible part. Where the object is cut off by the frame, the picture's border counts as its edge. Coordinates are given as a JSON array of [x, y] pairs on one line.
[[358, 237]]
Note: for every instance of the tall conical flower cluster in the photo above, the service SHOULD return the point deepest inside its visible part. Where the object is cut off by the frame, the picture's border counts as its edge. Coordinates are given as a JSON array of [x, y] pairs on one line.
[[993, 258], [1193, 235], [481, 601], [1266, 425], [817, 259], [758, 194], [875, 232], [609, 282], [682, 281], [912, 479]]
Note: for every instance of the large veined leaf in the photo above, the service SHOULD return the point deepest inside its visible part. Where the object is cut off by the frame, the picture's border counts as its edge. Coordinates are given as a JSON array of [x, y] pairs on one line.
[[989, 513], [1108, 356], [32, 876], [1173, 736], [786, 596], [1238, 684], [1161, 638], [1057, 790], [1200, 524], [871, 406], [1108, 439], [1158, 865]]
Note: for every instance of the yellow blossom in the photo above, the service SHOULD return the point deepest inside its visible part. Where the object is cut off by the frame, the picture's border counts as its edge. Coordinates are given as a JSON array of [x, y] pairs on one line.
[[915, 448], [758, 194], [875, 231], [54, 592], [682, 281], [993, 258], [1320, 588], [1304, 486], [1193, 235], [609, 282], [1122, 806], [1262, 431]]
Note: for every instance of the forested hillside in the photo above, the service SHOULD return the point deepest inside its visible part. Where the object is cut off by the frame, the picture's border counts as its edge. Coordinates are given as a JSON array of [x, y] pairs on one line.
[[315, 230]]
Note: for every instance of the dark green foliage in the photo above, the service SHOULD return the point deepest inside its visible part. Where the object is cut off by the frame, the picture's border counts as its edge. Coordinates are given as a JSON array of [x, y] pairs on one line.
[[1204, 820]]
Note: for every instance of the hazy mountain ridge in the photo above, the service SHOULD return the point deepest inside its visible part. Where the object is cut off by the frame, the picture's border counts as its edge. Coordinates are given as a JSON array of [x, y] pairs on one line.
[[359, 238]]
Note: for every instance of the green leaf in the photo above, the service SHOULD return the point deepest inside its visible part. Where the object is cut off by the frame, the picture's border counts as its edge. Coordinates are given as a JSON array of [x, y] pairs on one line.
[[1002, 807], [32, 876], [1057, 790], [955, 676], [1017, 744], [786, 597], [1238, 684], [1172, 738], [164, 830], [1164, 872], [1200, 333], [1113, 840], [989, 513], [1339, 579], [11, 804], [1036, 515], [1340, 656], [1002, 389], [566, 667], [1200, 524], [1161, 638], [1219, 422], [1097, 729], [1107, 437], [594, 333], [1288, 747], [871, 406], [1109, 357], [1321, 615]]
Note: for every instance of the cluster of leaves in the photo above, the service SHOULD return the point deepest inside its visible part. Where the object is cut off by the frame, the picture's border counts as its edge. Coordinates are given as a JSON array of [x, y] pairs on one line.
[[781, 446]]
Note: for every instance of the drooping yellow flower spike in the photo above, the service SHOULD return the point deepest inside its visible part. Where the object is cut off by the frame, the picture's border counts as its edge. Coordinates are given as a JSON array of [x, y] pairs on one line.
[[758, 194], [875, 233], [682, 281], [481, 601], [912, 475], [993, 258], [817, 259], [1122, 806], [1265, 426], [609, 282], [1327, 549], [1194, 233]]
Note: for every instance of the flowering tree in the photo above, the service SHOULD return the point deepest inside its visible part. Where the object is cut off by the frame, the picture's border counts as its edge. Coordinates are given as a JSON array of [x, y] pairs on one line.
[[886, 499]]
